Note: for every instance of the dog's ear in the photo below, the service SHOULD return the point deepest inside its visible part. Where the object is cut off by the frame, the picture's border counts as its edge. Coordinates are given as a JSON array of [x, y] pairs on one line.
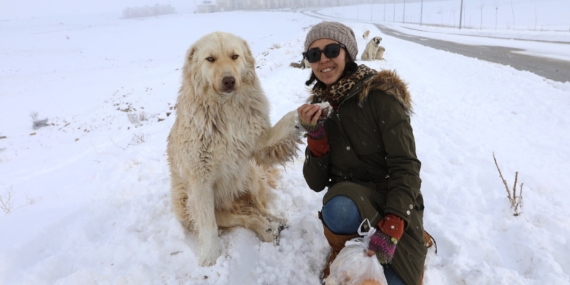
[[248, 55], [190, 55], [189, 75], [188, 61], [250, 64]]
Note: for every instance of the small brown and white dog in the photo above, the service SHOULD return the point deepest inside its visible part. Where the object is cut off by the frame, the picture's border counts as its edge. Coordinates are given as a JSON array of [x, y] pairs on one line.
[[222, 150], [371, 49], [366, 34], [380, 53]]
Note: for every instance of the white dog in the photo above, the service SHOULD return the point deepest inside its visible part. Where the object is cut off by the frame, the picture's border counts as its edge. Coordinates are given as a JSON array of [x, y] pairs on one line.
[[365, 35], [380, 53], [222, 148], [371, 49]]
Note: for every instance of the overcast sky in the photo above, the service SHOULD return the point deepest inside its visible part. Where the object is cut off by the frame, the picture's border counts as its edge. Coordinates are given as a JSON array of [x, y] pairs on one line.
[[13, 9]]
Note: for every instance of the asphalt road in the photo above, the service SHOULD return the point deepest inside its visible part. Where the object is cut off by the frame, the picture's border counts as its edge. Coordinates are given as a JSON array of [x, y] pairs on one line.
[[557, 70]]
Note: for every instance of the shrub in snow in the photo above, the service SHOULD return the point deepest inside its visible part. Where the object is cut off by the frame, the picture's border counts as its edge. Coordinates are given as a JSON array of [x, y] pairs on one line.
[[6, 202], [36, 124], [516, 201], [134, 119], [137, 139]]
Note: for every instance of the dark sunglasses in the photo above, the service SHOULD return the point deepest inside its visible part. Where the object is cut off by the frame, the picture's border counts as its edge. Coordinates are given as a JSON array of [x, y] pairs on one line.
[[331, 51]]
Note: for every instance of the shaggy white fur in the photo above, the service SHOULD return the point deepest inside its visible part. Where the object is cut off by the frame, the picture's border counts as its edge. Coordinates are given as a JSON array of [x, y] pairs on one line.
[[222, 148]]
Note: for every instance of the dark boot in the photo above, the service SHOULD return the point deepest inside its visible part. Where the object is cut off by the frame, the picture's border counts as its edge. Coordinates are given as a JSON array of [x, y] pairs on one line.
[[337, 243]]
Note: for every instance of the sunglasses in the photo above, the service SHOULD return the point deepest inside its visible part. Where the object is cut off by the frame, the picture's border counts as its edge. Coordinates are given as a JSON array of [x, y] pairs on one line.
[[331, 51]]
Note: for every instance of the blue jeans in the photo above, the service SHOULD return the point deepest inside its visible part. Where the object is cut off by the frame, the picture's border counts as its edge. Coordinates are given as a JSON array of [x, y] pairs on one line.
[[340, 214], [391, 276]]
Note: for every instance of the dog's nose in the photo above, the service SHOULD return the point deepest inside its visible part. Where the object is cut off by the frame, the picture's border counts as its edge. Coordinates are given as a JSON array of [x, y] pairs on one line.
[[228, 82]]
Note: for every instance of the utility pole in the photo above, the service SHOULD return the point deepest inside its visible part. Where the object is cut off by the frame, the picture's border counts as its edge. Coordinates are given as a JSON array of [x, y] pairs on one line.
[[404, 16], [394, 18], [384, 10], [460, 14], [421, 12]]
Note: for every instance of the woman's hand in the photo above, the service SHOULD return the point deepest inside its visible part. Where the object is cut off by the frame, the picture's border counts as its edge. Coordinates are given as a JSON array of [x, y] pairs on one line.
[[309, 114], [384, 241], [312, 120]]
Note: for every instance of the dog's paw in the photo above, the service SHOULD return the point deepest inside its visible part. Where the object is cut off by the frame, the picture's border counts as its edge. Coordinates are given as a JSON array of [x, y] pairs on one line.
[[289, 126], [270, 232], [282, 142], [278, 237], [209, 253], [281, 221]]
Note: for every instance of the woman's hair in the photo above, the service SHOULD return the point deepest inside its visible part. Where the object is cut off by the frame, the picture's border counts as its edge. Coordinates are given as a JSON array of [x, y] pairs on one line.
[[349, 69]]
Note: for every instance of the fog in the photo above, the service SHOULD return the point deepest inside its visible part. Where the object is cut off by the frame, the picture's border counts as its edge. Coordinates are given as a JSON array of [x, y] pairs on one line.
[[21, 9]]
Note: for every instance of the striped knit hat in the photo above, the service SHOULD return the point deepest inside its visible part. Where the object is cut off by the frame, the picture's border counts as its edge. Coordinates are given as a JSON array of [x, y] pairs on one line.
[[334, 31]]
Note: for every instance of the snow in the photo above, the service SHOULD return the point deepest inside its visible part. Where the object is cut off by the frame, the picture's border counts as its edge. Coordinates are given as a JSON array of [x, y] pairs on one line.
[[89, 194]]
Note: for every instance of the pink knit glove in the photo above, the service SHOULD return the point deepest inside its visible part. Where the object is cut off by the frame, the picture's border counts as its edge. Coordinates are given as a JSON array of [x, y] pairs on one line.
[[383, 245], [316, 132], [384, 241]]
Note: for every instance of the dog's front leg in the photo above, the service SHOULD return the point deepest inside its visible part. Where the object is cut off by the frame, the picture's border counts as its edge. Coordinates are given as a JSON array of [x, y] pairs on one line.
[[205, 218], [280, 142]]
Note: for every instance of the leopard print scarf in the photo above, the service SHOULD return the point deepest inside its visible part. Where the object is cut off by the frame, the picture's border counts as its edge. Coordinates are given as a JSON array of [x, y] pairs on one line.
[[337, 91]]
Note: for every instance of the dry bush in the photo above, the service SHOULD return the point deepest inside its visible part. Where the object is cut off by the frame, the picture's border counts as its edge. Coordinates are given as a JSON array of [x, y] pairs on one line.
[[136, 119], [36, 123], [31, 201], [143, 116], [6, 202], [137, 139], [516, 201]]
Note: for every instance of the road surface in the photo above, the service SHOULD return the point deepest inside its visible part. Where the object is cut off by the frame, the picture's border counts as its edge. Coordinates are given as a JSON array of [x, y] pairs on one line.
[[557, 70]]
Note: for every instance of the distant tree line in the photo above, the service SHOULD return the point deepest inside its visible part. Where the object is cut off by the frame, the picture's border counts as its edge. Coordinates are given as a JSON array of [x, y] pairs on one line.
[[148, 11], [228, 5]]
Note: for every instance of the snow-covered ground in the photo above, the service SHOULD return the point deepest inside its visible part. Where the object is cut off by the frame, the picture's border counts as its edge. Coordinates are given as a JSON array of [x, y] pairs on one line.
[[86, 198]]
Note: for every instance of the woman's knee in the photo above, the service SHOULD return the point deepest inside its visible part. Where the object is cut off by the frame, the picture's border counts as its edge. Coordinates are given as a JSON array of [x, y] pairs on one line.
[[341, 215]]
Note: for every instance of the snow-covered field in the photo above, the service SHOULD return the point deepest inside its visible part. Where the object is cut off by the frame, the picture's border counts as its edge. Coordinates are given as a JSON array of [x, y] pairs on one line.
[[85, 199]]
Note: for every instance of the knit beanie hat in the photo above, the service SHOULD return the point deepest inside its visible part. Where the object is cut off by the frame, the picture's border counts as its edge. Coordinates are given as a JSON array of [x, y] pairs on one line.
[[334, 31]]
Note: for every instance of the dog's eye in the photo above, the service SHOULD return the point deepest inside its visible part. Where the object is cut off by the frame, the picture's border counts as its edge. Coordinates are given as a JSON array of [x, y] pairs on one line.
[[235, 56], [210, 59]]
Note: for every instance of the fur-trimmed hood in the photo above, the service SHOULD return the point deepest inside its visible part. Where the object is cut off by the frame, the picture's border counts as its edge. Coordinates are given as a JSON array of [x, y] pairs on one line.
[[389, 82]]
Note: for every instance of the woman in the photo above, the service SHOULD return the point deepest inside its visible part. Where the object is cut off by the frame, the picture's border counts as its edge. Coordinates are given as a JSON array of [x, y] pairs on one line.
[[363, 150]]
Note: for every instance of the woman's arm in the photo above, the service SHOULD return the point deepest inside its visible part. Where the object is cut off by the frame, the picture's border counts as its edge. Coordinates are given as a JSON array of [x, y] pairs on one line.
[[403, 165]]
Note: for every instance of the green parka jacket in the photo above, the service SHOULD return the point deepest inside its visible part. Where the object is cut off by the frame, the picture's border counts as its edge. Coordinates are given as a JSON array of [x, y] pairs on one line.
[[372, 160]]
